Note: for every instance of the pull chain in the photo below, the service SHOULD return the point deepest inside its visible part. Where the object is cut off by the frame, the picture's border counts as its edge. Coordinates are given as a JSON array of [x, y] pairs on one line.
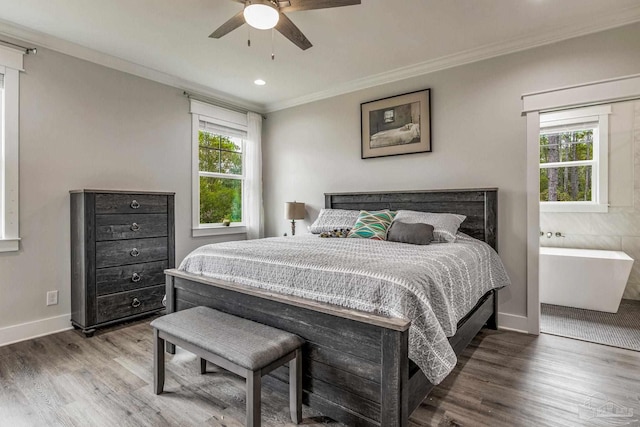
[[249, 35], [273, 55]]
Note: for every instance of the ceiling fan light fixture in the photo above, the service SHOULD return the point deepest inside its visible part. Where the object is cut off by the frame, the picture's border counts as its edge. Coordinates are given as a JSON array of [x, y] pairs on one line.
[[262, 15]]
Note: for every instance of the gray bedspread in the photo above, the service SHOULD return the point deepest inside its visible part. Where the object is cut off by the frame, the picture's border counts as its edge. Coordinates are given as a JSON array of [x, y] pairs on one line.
[[434, 285]]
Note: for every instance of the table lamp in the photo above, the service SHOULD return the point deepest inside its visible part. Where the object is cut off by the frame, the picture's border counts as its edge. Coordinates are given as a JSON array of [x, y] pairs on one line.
[[292, 211]]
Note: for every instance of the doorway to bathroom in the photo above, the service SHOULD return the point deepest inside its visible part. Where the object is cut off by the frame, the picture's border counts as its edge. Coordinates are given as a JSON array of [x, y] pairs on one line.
[[589, 187]]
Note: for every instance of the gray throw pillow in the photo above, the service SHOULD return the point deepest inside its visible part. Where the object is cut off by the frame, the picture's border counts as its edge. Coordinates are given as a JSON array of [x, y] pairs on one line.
[[445, 225], [415, 234]]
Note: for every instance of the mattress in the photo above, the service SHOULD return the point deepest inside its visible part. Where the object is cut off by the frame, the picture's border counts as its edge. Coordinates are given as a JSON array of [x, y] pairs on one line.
[[433, 285]]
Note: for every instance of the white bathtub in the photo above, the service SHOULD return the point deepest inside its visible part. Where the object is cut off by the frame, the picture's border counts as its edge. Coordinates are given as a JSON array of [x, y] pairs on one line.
[[583, 278]]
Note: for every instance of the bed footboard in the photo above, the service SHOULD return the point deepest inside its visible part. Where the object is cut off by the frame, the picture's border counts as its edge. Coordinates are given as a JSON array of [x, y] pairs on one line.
[[355, 365]]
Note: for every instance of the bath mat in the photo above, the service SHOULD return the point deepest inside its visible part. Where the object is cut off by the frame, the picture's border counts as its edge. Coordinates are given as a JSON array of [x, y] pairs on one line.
[[621, 329]]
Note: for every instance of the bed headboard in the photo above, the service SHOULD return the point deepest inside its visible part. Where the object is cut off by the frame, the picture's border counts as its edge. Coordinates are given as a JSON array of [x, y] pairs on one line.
[[480, 205]]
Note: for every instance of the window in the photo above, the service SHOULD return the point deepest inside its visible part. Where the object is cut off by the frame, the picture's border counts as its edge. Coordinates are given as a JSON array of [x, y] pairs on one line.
[[221, 174], [219, 152], [10, 64], [574, 160]]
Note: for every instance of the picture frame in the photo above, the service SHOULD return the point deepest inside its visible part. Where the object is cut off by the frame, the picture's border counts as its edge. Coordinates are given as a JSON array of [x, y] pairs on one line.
[[396, 125]]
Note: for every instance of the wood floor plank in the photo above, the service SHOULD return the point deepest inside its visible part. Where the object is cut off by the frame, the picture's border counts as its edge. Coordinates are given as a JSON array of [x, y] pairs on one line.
[[502, 379], [15, 408]]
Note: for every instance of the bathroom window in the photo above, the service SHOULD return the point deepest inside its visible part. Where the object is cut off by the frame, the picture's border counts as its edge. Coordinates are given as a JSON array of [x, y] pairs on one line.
[[574, 160]]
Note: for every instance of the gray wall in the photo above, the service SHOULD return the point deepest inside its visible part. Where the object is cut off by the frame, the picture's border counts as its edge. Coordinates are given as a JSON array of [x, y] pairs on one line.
[[86, 126], [478, 137], [618, 229]]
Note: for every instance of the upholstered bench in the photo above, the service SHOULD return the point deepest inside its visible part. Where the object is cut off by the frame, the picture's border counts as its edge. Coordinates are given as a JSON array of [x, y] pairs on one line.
[[246, 348]]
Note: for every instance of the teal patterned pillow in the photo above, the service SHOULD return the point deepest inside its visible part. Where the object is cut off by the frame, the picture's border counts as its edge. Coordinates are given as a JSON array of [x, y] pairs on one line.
[[372, 225]]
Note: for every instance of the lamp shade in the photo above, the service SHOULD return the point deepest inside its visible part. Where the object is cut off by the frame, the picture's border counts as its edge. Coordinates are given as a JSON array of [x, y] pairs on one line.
[[261, 14], [294, 210]]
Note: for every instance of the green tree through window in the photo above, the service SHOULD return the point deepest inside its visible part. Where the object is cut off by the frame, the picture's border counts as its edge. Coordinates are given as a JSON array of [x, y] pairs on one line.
[[221, 178], [566, 160]]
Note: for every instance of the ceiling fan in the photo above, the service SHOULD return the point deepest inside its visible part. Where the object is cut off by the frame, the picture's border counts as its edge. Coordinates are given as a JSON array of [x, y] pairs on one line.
[[266, 14]]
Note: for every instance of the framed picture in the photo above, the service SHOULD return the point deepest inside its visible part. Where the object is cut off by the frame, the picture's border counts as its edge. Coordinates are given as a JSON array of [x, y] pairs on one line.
[[397, 125]]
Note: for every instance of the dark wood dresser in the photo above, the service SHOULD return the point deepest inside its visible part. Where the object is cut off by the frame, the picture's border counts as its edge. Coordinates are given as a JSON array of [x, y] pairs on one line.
[[121, 243]]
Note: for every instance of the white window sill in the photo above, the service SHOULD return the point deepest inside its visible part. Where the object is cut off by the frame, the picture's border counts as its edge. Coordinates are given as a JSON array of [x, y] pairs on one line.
[[9, 245], [573, 207], [218, 230]]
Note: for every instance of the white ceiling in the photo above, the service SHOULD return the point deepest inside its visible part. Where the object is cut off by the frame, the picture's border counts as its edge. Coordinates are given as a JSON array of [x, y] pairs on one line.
[[354, 47]]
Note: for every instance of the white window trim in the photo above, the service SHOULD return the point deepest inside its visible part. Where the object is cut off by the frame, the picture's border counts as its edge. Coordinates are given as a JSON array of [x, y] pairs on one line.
[[600, 177], [10, 65], [223, 117]]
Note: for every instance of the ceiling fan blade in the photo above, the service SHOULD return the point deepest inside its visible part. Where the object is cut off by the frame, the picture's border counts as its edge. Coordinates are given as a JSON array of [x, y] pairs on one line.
[[290, 31], [228, 26], [297, 5]]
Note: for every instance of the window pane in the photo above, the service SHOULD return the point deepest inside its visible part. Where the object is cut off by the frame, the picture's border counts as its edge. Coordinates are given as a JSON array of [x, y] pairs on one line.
[[220, 199], [231, 143], [566, 146], [209, 159], [210, 140], [566, 184], [231, 162], [220, 153]]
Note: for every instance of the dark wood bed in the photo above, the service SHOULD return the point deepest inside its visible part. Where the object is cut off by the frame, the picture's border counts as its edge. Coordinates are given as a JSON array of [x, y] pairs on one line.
[[356, 367]]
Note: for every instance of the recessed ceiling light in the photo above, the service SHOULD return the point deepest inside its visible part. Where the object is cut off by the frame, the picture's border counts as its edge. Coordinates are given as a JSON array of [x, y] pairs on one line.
[[260, 82]]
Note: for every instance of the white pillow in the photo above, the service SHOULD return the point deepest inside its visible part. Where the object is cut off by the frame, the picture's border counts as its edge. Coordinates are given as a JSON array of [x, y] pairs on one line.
[[332, 219], [445, 225]]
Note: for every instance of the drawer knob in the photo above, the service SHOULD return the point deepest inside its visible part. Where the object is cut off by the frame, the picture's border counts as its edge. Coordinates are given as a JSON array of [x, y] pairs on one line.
[[135, 303], [135, 204], [136, 277], [135, 227], [134, 252]]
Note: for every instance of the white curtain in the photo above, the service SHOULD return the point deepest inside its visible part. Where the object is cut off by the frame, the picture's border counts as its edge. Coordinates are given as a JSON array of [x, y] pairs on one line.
[[253, 183]]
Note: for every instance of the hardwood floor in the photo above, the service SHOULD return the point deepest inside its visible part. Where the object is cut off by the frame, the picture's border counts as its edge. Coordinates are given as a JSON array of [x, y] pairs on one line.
[[502, 379]]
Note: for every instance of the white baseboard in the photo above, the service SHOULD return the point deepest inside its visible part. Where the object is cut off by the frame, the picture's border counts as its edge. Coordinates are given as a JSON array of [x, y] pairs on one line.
[[38, 328], [513, 322]]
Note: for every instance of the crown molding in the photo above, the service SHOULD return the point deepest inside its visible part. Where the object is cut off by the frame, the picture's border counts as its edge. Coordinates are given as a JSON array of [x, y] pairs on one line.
[[68, 48], [541, 38]]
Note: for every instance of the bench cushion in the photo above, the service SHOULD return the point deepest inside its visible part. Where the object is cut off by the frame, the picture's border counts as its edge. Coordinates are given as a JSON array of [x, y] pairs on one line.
[[243, 342]]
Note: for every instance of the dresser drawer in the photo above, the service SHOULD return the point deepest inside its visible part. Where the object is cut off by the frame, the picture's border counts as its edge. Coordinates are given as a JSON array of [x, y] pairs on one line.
[[130, 226], [133, 251], [130, 203], [129, 277], [124, 304]]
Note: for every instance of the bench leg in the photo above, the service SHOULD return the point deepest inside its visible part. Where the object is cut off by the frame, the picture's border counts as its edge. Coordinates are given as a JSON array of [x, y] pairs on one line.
[[203, 365], [171, 348], [158, 363], [295, 387], [254, 387]]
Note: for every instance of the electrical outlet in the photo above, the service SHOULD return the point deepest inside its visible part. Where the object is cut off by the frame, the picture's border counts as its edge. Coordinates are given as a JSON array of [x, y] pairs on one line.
[[52, 297]]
